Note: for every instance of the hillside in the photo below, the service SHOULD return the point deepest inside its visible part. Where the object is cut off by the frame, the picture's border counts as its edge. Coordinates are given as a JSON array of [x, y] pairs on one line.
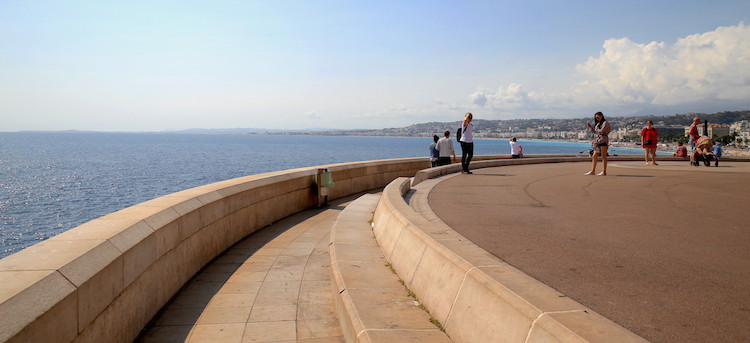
[[503, 128]]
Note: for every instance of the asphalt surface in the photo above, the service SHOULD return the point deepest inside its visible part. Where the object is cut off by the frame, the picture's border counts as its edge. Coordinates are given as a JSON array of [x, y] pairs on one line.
[[661, 250]]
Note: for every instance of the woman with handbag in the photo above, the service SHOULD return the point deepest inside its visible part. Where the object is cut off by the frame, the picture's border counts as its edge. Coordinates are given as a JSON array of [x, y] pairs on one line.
[[467, 143], [649, 138], [600, 143]]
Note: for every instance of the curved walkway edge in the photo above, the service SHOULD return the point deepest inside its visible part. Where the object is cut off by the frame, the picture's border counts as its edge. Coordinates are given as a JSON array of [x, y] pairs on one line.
[[373, 305], [476, 296]]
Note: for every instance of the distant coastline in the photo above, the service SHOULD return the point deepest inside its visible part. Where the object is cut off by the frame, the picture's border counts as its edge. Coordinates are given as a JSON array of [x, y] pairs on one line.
[[499, 128], [625, 130]]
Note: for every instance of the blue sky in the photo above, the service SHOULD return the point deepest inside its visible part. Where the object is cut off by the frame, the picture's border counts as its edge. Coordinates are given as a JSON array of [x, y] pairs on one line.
[[162, 65]]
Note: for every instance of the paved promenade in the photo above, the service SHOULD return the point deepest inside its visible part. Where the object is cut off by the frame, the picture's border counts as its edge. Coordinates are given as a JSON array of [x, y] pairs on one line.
[[662, 250], [274, 286]]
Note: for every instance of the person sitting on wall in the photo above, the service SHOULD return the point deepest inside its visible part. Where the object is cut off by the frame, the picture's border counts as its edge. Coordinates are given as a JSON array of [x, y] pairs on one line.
[[681, 151], [717, 150], [434, 153], [516, 150], [445, 149]]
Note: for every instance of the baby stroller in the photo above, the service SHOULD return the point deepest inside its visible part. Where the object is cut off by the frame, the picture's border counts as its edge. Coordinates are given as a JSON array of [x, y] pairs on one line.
[[706, 158], [703, 153]]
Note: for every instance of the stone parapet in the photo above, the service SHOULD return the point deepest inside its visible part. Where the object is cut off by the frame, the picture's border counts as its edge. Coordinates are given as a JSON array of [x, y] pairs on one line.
[[104, 280]]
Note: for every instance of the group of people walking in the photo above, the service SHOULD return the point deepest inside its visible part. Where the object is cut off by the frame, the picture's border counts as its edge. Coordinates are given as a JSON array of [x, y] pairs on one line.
[[442, 150]]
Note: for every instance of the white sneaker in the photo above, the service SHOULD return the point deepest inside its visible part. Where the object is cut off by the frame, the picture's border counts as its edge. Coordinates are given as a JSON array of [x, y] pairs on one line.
[[589, 173], [602, 174]]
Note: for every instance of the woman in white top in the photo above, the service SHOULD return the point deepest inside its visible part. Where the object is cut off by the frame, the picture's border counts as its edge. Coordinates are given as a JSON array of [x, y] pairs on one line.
[[467, 143]]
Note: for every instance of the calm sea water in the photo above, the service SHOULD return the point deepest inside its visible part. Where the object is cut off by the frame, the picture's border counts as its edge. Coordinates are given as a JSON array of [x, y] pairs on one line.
[[52, 182]]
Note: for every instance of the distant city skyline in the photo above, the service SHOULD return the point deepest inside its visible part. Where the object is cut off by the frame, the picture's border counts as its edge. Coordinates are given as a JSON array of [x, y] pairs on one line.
[[291, 65]]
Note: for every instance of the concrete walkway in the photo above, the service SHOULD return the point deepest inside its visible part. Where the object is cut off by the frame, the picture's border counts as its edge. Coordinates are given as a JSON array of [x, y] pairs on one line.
[[661, 250], [274, 286], [625, 245]]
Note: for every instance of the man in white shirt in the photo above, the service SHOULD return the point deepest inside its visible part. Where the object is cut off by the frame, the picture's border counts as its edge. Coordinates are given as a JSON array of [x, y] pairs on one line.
[[516, 150], [445, 147]]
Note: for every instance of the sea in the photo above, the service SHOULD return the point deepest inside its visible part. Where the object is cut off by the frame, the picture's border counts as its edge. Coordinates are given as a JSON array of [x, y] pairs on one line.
[[51, 182]]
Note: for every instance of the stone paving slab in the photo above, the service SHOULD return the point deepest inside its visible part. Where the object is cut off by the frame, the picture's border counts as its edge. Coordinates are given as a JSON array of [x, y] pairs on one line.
[[274, 286], [662, 250]]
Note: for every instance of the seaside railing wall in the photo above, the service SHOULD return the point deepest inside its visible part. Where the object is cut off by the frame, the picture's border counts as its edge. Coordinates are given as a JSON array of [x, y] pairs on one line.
[[103, 281]]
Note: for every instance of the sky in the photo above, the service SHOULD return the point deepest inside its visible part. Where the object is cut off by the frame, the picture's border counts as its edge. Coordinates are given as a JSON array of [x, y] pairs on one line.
[[172, 65]]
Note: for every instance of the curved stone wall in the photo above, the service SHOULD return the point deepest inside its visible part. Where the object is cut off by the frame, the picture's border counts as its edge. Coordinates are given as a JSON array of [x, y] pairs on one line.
[[476, 296], [104, 280]]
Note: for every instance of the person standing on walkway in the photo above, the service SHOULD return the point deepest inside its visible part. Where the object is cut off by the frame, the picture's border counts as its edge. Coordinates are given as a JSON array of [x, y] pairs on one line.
[[649, 138], [693, 132], [445, 149], [600, 143], [434, 153], [516, 150], [467, 143]]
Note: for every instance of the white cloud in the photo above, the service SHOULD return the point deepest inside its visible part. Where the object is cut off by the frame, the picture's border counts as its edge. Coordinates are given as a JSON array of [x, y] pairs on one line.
[[703, 67], [513, 96], [712, 68]]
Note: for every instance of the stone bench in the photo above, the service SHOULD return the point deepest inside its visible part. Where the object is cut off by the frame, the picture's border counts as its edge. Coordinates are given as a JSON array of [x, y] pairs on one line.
[[372, 303]]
